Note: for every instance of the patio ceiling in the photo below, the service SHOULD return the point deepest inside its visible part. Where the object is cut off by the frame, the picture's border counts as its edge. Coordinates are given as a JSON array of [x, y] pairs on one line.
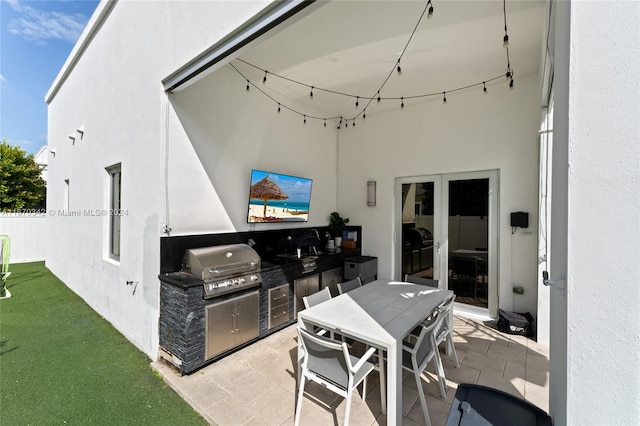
[[351, 46]]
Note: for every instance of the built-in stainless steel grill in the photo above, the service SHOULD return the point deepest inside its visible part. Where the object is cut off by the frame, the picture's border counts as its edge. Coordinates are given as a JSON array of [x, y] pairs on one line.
[[224, 269]]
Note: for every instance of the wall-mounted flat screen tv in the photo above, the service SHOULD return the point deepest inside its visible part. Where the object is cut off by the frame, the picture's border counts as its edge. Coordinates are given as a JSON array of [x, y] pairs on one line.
[[274, 197]]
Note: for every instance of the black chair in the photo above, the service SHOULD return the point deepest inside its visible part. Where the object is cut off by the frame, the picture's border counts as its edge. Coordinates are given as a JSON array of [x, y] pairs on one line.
[[476, 405]]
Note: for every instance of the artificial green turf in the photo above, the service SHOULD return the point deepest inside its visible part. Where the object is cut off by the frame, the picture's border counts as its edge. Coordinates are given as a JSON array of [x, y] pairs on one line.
[[61, 363]]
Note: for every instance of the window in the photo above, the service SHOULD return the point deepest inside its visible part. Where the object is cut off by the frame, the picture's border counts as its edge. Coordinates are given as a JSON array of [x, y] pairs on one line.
[[115, 206]]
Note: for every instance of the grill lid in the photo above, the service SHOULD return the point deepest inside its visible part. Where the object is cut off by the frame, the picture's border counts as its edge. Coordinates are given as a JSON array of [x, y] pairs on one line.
[[219, 262]]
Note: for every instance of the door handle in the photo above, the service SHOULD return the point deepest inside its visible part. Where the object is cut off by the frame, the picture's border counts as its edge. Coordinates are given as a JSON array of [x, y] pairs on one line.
[[233, 325], [237, 321]]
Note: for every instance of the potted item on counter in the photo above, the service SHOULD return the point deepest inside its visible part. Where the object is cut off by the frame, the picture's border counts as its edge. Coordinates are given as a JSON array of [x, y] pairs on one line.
[[337, 225]]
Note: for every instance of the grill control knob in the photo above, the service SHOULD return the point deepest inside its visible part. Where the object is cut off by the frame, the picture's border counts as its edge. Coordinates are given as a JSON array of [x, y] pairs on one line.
[[253, 278]]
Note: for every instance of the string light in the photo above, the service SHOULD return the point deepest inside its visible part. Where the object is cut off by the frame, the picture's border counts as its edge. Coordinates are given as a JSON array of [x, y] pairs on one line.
[[429, 10], [505, 39]]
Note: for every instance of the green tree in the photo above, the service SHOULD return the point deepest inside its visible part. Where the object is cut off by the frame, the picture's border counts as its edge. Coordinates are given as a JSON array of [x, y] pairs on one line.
[[21, 186]]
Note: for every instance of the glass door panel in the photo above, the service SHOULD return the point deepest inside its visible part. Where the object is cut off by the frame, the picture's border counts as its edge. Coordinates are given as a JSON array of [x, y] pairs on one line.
[[418, 229], [468, 240]]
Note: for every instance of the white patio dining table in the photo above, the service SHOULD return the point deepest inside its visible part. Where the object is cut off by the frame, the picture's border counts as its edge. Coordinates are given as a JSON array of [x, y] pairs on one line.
[[379, 314]]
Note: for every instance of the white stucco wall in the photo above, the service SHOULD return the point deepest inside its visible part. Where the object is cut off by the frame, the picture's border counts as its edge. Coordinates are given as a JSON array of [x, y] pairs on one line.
[[115, 92], [472, 132], [226, 132], [597, 243]]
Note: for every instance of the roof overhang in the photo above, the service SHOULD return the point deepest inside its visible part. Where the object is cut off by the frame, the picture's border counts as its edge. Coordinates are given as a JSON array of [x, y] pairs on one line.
[[268, 21]]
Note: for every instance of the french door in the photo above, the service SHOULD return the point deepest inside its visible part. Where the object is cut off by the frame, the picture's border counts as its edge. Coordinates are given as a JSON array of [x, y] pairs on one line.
[[447, 230]]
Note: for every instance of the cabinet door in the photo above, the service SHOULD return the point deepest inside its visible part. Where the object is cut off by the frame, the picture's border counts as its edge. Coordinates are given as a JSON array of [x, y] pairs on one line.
[[247, 317], [330, 279], [304, 287], [221, 325]]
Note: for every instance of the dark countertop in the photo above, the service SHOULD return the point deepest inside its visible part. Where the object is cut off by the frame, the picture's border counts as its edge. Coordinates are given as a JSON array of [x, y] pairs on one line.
[[289, 264]]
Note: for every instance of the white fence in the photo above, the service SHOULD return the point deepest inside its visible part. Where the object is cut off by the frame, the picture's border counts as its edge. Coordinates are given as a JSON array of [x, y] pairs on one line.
[[27, 234]]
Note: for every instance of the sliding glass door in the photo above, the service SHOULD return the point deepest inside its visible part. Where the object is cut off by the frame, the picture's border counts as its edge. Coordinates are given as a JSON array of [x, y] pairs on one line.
[[448, 232]]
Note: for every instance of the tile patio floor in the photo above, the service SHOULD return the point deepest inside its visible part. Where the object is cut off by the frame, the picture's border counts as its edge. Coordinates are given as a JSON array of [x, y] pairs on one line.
[[256, 385]]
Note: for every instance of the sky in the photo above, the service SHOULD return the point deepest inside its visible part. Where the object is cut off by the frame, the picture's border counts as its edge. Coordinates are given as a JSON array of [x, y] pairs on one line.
[[35, 40]]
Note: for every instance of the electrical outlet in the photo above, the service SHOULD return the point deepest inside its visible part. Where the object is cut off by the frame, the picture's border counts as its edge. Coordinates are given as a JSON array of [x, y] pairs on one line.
[[517, 289]]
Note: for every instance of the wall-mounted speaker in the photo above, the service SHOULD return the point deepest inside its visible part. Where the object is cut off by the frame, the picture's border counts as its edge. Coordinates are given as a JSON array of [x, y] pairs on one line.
[[520, 220]]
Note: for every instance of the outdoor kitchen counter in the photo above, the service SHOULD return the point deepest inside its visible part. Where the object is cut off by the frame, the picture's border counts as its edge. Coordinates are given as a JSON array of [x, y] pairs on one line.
[[290, 266], [182, 322]]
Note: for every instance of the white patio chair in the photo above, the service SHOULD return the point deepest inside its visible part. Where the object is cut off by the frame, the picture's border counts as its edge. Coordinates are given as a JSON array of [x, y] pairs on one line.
[[419, 280], [329, 363], [314, 299], [416, 357], [317, 297], [347, 286], [445, 332]]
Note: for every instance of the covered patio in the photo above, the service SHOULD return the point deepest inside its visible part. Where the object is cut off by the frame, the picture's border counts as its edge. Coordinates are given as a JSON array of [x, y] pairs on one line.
[[256, 385]]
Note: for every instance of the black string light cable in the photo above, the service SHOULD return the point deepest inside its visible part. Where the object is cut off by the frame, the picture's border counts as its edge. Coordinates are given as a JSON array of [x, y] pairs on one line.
[[396, 67], [505, 44], [280, 105], [428, 8]]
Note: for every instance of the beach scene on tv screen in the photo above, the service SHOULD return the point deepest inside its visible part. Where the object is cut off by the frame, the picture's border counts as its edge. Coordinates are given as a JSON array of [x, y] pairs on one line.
[[274, 197]]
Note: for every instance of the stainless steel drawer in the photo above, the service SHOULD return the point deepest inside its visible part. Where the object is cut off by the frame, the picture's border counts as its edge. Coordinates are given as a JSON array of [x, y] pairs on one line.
[[278, 305], [279, 294]]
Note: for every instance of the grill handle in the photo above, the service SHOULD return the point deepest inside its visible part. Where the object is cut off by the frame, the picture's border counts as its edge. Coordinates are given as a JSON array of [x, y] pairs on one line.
[[227, 271]]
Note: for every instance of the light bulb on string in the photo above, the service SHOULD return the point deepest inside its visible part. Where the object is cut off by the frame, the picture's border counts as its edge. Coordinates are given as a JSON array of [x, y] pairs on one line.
[[402, 102], [247, 85], [354, 122], [278, 107], [346, 123], [484, 87], [444, 97], [325, 122], [364, 114], [399, 69], [305, 119], [357, 101], [311, 93], [511, 83], [264, 79], [505, 40], [378, 96], [430, 13]]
